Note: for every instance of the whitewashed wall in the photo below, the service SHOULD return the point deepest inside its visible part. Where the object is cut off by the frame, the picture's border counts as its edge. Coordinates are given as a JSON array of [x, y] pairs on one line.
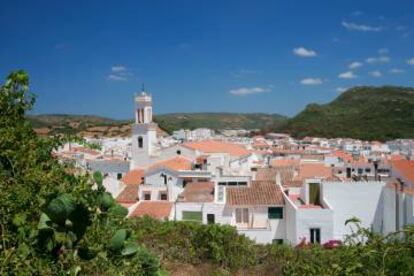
[[362, 199]]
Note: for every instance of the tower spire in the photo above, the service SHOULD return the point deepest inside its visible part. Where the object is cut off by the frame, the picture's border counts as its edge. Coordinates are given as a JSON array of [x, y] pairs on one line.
[[143, 87]]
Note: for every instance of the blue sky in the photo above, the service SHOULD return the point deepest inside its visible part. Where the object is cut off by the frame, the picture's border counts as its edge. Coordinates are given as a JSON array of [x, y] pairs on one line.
[[89, 57]]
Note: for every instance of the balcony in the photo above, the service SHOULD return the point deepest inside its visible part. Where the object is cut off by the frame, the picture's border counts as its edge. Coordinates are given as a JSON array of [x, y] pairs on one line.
[[254, 223]]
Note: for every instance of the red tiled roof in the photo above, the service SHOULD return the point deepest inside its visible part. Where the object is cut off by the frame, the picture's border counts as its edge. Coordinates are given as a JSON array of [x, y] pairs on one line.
[[155, 209], [260, 193], [213, 146], [284, 162], [314, 170], [197, 192], [133, 177], [266, 174], [176, 164], [405, 168], [128, 195]]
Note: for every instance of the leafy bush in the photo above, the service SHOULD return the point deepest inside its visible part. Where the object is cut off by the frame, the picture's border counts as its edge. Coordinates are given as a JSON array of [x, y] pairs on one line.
[[51, 221], [195, 243]]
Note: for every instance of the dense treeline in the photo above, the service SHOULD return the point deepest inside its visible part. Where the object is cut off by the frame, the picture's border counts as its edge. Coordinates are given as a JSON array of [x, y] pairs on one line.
[[55, 223], [367, 113]]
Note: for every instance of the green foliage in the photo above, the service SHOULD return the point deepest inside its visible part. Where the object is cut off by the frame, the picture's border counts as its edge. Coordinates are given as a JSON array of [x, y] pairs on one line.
[[217, 121], [368, 113], [53, 223], [195, 243]]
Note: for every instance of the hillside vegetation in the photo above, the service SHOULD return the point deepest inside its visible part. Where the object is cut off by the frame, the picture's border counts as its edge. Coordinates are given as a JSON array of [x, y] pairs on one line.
[[368, 113], [217, 121], [95, 126]]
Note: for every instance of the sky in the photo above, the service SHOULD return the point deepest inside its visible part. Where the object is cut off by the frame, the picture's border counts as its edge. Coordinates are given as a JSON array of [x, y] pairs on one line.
[[91, 57]]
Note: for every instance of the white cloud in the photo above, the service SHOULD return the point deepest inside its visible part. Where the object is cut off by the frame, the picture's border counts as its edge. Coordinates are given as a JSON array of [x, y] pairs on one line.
[[118, 68], [341, 89], [375, 74], [116, 77], [303, 52], [381, 59], [396, 71], [355, 64], [410, 61], [311, 81], [243, 91], [351, 26], [347, 75], [383, 51], [119, 73]]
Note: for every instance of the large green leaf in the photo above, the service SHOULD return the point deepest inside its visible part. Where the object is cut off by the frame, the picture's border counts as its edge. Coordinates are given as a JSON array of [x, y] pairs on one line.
[[80, 218], [130, 249], [60, 208], [106, 201], [117, 241], [43, 222], [97, 176]]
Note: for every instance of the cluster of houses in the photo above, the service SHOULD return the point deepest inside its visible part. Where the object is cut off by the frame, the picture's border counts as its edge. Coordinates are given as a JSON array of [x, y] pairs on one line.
[[273, 189]]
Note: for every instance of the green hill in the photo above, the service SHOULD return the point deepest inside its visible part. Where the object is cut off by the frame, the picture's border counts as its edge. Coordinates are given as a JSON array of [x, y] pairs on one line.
[[368, 113]]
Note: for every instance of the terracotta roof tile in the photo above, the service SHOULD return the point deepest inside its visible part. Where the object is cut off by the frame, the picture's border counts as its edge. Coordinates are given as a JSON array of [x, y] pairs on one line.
[[314, 170], [133, 177], [214, 146], [284, 162], [155, 209], [405, 168], [176, 164], [197, 192], [259, 193], [266, 174], [128, 195]]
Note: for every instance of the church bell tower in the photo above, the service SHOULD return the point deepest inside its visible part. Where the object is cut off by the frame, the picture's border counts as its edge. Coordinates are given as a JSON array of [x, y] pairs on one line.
[[144, 131]]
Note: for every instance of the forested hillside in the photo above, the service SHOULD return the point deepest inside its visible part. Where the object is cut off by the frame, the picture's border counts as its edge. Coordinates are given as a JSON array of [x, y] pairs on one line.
[[368, 113]]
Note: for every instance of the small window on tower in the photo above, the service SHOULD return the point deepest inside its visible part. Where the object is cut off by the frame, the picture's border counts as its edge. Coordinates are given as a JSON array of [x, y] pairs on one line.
[[140, 142], [179, 152]]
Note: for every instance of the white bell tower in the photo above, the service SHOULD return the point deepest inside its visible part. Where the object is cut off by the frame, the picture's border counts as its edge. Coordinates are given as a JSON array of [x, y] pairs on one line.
[[144, 131]]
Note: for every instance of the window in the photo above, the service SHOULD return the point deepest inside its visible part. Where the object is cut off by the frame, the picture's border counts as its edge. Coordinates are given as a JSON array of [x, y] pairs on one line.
[[277, 241], [147, 195], [242, 215], [163, 196], [119, 176], [242, 183], [275, 212], [253, 169], [220, 194], [360, 171], [192, 216], [367, 170], [210, 219], [179, 152], [164, 176], [315, 235], [140, 142], [222, 183]]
